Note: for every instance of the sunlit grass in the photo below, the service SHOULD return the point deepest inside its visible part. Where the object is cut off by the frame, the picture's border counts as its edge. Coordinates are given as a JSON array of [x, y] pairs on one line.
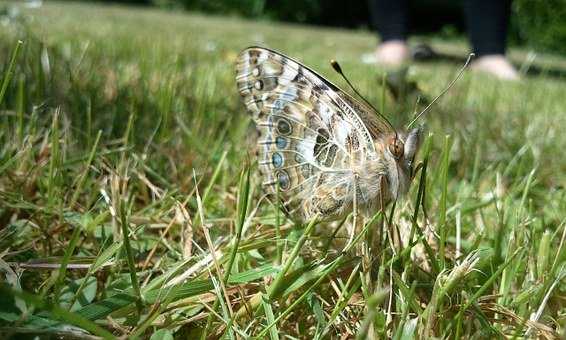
[[110, 119]]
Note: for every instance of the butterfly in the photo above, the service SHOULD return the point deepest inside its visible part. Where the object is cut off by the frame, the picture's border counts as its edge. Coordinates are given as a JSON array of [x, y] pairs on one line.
[[323, 152]]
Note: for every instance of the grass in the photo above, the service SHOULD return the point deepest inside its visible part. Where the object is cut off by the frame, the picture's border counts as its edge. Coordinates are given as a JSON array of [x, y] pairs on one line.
[[130, 204]]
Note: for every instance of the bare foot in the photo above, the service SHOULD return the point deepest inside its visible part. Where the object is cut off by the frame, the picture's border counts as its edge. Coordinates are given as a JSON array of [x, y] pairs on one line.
[[496, 65], [392, 53]]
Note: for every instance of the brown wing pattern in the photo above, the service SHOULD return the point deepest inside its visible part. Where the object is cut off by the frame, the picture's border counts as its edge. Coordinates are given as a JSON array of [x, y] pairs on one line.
[[376, 124]]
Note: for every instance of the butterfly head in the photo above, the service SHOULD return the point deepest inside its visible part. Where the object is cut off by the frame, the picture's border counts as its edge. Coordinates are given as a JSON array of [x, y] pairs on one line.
[[402, 150]]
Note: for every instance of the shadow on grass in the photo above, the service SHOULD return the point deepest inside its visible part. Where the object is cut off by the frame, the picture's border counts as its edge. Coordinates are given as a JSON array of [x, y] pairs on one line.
[[425, 53]]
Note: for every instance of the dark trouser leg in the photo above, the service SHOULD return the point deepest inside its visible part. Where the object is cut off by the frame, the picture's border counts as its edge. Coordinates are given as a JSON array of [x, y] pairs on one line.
[[487, 22], [390, 18]]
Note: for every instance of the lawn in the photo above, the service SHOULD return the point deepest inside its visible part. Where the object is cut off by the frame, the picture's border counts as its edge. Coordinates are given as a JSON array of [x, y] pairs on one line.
[[131, 205]]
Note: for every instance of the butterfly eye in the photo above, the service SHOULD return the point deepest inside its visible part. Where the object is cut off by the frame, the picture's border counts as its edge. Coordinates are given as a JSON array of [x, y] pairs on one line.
[[396, 148]]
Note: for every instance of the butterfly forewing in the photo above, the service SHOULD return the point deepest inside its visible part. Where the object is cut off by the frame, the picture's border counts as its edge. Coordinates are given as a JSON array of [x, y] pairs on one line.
[[310, 137], [375, 123]]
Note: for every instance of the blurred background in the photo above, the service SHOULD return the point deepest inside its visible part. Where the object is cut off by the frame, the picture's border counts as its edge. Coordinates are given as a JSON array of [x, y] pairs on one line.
[[537, 24]]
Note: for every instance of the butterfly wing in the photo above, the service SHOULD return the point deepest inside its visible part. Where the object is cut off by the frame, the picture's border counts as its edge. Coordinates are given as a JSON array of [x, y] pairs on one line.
[[377, 125], [310, 137]]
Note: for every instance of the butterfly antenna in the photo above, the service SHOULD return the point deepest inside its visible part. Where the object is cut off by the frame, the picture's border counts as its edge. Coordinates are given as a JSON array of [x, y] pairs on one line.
[[470, 56], [338, 69]]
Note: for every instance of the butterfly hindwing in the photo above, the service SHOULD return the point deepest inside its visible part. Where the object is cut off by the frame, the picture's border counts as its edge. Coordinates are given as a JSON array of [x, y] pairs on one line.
[[310, 136]]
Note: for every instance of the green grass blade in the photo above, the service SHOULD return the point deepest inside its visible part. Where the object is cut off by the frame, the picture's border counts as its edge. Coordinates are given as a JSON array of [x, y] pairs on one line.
[[273, 332], [275, 288], [214, 177], [242, 209], [482, 289], [9, 73], [130, 257], [101, 309], [53, 182], [60, 313], [82, 177], [331, 267], [66, 257], [442, 204]]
